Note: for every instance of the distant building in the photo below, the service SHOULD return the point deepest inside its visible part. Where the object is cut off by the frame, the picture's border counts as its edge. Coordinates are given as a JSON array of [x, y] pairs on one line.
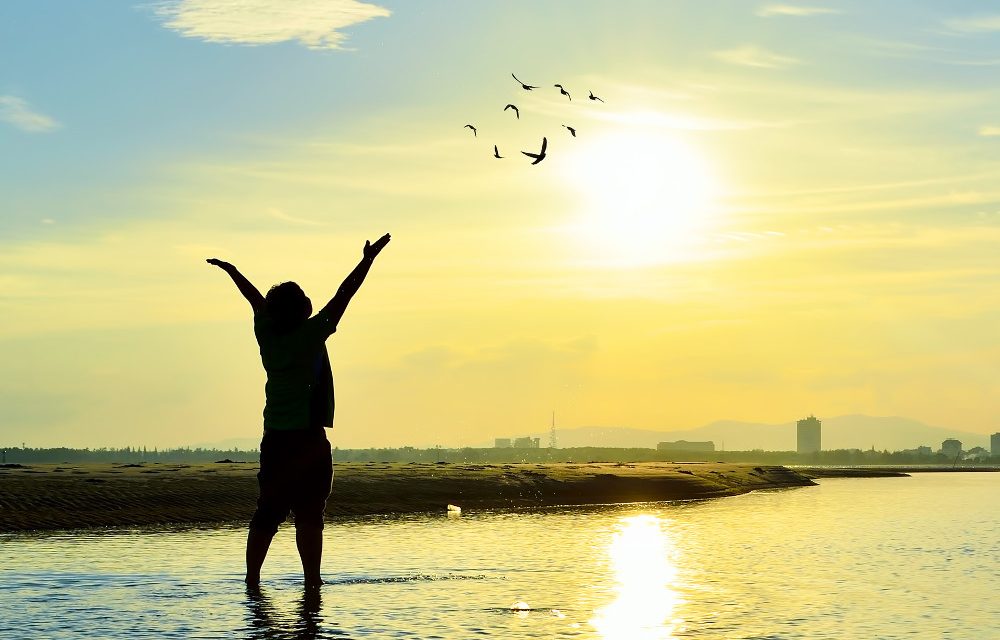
[[809, 435], [526, 443], [995, 444], [684, 445], [923, 451], [977, 453], [951, 447], [501, 443]]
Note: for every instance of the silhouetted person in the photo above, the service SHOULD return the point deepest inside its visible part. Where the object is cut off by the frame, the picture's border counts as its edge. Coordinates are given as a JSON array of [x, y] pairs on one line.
[[296, 468]]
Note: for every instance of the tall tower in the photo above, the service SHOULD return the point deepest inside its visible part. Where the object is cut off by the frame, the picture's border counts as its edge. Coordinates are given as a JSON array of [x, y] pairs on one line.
[[552, 432], [809, 435]]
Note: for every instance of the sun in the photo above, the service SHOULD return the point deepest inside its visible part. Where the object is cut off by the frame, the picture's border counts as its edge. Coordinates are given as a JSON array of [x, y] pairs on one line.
[[645, 199]]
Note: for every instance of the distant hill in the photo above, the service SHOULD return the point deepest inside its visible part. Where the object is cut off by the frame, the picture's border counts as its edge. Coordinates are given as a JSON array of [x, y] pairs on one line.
[[840, 432]]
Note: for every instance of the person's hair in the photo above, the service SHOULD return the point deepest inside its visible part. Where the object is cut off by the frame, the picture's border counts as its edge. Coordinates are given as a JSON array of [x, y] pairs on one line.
[[287, 305]]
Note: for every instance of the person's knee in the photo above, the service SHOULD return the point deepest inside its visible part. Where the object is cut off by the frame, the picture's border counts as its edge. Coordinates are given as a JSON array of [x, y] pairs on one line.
[[268, 519], [309, 519]]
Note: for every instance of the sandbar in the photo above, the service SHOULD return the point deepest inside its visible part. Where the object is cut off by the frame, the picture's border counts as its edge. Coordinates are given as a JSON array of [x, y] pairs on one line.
[[81, 496]]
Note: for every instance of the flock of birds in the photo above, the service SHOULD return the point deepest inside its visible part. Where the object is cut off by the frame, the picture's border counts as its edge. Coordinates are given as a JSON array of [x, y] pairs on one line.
[[537, 157]]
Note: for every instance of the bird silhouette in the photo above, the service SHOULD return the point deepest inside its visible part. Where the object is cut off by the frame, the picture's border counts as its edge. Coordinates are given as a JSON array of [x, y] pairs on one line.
[[469, 126], [571, 130], [496, 152], [538, 156], [593, 97], [563, 91], [526, 87], [516, 112]]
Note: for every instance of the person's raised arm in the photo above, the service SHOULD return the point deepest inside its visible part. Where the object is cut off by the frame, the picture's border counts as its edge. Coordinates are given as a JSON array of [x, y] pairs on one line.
[[338, 304], [249, 291]]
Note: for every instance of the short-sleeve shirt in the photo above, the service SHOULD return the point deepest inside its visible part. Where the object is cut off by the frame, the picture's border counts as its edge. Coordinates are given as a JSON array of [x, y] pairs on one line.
[[299, 389]]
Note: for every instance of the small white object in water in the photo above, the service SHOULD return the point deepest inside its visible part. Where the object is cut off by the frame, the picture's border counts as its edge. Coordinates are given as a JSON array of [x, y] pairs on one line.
[[454, 509], [520, 606]]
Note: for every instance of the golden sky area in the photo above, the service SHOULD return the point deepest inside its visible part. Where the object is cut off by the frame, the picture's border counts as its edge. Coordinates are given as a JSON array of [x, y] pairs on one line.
[[776, 211]]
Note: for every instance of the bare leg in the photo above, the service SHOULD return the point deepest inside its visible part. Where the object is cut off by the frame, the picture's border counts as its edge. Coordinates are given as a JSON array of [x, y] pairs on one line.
[[258, 543], [309, 541]]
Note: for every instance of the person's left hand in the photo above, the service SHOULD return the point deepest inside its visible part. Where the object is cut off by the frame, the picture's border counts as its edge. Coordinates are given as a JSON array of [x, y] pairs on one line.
[[372, 250]]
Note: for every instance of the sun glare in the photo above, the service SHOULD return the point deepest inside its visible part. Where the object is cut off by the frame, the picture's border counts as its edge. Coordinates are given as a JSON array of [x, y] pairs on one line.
[[645, 198], [641, 554]]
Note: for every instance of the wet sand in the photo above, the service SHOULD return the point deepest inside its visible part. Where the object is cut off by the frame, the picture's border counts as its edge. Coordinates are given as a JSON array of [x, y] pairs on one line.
[[73, 496]]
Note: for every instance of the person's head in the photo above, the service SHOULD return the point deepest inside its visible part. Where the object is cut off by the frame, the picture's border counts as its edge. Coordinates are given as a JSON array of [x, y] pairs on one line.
[[287, 305]]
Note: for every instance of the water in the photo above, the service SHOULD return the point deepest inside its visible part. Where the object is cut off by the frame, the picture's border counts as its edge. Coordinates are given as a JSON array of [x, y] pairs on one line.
[[851, 558]]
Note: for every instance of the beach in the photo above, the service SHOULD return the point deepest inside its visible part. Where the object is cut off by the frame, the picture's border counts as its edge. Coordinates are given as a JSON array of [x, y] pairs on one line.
[[76, 496]]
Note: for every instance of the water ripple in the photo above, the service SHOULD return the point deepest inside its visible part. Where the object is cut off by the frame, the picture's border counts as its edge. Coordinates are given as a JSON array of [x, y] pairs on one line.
[[849, 558]]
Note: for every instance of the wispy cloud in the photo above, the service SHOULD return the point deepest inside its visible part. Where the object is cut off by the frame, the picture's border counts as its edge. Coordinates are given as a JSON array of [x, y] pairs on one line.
[[686, 122], [317, 24], [975, 24], [774, 9], [278, 214], [989, 131], [17, 112], [870, 207], [754, 56], [923, 52], [892, 47], [986, 62]]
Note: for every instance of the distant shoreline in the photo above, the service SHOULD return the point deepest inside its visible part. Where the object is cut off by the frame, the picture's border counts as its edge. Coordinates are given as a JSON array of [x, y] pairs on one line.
[[883, 471], [78, 496]]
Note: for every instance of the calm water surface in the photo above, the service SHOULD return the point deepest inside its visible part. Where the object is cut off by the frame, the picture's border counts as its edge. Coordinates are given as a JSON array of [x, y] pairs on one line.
[[852, 558]]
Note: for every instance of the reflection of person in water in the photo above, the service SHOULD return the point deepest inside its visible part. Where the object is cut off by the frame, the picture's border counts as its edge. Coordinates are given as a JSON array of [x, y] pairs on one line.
[[296, 469], [267, 623]]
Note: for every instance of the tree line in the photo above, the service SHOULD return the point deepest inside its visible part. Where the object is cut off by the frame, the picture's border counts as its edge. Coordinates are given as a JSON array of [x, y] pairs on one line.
[[137, 455]]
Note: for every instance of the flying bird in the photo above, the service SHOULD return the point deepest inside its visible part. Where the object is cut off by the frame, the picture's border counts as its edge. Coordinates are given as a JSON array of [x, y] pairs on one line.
[[537, 156], [496, 152], [563, 91], [593, 97], [526, 87], [571, 130], [469, 126], [516, 112]]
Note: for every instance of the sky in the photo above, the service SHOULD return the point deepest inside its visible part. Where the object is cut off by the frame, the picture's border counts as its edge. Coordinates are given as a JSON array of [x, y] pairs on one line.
[[779, 209]]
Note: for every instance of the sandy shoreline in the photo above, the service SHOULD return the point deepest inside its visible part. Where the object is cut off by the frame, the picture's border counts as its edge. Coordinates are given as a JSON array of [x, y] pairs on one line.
[[71, 496]]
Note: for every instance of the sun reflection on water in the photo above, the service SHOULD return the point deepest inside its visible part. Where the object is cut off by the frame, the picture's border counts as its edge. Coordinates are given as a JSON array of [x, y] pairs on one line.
[[641, 553]]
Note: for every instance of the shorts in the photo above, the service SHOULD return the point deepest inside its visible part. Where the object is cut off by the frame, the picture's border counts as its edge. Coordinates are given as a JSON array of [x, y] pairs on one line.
[[296, 474]]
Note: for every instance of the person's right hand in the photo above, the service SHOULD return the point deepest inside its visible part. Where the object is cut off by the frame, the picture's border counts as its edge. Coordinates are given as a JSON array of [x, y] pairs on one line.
[[218, 263], [372, 250]]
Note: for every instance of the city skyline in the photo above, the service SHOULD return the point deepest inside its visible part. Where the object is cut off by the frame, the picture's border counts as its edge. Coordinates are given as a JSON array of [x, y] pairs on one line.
[[844, 433]]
